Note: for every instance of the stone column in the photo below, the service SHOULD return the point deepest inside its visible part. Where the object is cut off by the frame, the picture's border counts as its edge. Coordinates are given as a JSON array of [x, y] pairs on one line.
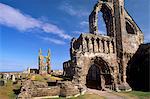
[[95, 46], [84, 45], [102, 82], [105, 47], [100, 46], [111, 47], [116, 79], [90, 46], [108, 46], [124, 71]]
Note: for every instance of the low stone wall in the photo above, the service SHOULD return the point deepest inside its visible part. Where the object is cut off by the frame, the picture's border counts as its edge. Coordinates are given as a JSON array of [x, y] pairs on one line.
[[39, 84], [68, 89], [52, 91], [32, 89]]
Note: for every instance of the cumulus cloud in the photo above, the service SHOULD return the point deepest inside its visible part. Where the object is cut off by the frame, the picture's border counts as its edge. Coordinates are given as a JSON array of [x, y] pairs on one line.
[[12, 17], [68, 8]]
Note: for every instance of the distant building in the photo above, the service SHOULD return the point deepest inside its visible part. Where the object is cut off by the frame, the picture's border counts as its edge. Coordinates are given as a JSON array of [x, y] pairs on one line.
[[43, 64]]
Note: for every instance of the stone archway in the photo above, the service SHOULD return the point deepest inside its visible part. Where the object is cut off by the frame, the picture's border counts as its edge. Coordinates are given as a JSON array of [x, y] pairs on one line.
[[99, 75], [93, 77], [107, 15]]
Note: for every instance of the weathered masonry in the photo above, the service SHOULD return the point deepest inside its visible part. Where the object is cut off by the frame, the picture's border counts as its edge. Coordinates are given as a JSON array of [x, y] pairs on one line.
[[44, 63], [99, 61]]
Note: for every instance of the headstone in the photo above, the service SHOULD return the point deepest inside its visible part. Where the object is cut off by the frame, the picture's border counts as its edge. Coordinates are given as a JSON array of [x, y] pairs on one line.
[[5, 76], [2, 83], [13, 78], [1, 76]]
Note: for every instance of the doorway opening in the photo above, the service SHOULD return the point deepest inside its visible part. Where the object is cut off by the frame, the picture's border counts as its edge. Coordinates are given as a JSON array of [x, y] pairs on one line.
[[99, 76]]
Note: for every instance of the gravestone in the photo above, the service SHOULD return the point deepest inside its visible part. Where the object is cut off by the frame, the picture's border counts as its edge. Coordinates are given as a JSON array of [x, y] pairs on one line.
[[2, 83]]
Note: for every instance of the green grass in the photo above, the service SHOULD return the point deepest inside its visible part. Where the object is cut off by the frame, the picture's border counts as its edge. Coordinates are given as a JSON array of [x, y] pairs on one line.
[[133, 95], [6, 92], [43, 78], [138, 94], [85, 96], [89, 96]]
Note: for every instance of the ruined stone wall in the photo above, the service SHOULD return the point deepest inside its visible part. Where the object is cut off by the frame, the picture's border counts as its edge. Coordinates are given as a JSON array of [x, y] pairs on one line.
[[93, 44], [68, 69], [116, 49], [88, 47], [138, 75]]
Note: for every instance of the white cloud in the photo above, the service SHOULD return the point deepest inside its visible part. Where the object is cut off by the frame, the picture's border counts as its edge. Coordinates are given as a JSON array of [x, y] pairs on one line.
[[12, 17], [52, 40], [68, 8], [84, 23]]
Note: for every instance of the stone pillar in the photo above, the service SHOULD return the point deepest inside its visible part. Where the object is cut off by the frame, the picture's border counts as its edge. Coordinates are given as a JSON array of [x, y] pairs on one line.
[[124, 72], [111, 47], [90, 46], [105, 46], [100, 46], [48, 62], [116, 79], [108, 46], [84, 45], [95, 46], [102, 82]]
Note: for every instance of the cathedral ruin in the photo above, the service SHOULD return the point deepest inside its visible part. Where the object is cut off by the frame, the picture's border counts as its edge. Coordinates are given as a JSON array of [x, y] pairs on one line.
[[99, 61], [44, 63]]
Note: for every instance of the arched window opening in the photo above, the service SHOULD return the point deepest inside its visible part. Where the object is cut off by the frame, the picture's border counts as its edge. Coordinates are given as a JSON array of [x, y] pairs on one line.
[[129, 28], [101, 24]]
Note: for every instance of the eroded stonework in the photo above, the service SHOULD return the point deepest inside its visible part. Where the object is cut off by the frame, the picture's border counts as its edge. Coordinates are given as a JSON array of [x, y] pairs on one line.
[[44, 68], [100, 61]]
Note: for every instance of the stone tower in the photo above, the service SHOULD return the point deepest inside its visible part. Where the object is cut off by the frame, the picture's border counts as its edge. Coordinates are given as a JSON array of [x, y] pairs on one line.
[[44, 67], [48, 60], [102, 60]]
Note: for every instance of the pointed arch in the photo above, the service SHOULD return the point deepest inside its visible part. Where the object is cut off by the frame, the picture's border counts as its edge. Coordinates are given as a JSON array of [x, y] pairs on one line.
[[107, 16], [99, 74]]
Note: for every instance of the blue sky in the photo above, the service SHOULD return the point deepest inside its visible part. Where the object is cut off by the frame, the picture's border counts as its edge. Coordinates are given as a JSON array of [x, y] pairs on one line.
[[27, 25]]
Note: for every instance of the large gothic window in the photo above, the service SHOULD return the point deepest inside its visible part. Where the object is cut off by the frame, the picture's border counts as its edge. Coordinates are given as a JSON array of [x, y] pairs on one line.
[[105, 20], [101, 24]]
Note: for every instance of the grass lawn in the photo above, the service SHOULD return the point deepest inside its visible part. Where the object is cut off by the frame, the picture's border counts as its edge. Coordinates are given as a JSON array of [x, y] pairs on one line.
[[6, 92], [85, 96], [138, 94], [89, 96], [43, 78], [134, 95]]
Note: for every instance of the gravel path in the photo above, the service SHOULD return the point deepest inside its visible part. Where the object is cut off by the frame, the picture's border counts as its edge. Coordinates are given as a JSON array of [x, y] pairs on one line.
[[106, 94]]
